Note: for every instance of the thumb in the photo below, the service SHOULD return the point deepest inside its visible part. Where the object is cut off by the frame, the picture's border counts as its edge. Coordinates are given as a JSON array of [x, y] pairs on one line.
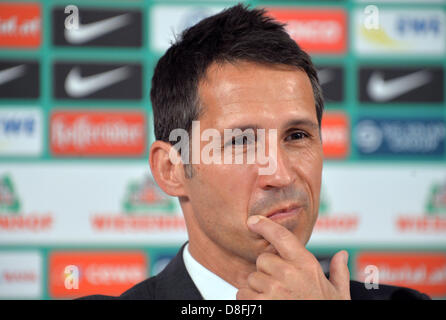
[[339, 273]]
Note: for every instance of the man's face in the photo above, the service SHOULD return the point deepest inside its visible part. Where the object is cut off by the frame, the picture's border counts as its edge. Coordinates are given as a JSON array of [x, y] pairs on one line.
[[223, 196]]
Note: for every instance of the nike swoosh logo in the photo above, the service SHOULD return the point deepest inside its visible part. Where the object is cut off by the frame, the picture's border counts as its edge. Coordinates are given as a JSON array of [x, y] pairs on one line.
[[10, 74], [384, 90], [87, 32], [325, 76], [78, 86]]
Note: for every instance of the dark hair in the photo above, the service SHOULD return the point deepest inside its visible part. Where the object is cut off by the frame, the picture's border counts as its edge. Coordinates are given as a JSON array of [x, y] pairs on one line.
[[235, 34]]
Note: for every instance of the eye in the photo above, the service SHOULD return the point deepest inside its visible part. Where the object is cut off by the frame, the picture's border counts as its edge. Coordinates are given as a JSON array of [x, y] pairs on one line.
[[297, 135], [241, 140]]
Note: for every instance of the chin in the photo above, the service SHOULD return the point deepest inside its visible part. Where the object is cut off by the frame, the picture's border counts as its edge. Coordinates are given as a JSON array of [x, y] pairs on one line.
[[291, 225], [260, 247]]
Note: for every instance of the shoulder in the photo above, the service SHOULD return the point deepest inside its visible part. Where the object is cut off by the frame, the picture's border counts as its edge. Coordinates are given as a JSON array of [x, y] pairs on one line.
[[358, 291], [145, 290]]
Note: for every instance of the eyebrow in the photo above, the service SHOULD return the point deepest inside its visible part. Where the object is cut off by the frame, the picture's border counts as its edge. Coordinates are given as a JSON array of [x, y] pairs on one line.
[[302, 122], [290, 123], [245, 127]]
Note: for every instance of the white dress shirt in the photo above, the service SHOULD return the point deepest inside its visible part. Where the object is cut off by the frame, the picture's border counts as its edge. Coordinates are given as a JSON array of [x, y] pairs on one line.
[[211, 286]]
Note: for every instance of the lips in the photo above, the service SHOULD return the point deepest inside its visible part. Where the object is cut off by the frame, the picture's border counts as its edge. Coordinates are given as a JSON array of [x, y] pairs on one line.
[[284, 211]]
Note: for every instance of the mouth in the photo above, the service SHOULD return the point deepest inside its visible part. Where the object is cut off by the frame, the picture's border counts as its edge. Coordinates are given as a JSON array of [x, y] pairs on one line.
[[284, 212]]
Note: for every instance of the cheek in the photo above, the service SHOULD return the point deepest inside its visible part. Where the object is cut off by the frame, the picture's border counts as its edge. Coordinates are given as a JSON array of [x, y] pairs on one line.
[[313, 171], [312, 163], [225, 187], [309, 167]]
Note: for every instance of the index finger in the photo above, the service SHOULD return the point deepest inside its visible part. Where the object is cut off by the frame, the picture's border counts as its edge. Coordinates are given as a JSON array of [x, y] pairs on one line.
[[283, 240]]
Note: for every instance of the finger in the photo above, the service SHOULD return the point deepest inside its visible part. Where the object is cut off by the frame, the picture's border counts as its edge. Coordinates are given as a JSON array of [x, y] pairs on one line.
[[285, 242], [270, 249], [261, 282], [270, 264], [249, 294], [339, 273]]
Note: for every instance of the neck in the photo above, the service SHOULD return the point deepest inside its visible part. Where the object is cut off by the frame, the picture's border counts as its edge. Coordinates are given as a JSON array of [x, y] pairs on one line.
[[221, 262]]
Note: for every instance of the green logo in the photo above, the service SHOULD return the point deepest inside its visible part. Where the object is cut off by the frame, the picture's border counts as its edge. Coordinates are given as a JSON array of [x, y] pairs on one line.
[[9, 203], [437, 199], [146, 197]]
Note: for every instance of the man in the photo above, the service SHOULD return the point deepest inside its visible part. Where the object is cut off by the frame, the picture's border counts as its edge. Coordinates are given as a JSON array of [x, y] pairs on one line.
[[247, 231]]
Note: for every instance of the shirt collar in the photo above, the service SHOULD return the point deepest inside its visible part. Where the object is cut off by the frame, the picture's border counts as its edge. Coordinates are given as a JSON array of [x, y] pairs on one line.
[[211, 286]]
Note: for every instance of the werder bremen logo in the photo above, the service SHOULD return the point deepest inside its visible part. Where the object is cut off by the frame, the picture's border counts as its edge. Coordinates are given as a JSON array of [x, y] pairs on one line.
[[147, 197], [329, 221], [437, 199], [9, 203]]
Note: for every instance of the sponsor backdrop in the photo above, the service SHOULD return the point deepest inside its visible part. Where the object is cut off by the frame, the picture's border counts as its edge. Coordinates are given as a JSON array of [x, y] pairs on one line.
[[79, 210]]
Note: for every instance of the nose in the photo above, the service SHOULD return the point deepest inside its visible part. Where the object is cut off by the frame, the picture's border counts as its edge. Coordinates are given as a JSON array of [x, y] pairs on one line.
[[282, 176]]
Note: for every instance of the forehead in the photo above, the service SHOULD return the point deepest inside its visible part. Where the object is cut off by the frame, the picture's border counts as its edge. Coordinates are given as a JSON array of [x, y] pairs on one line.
[[241, 91]]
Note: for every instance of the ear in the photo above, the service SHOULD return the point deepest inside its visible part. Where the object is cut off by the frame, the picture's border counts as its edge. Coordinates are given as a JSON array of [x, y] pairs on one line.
[[168, 173]]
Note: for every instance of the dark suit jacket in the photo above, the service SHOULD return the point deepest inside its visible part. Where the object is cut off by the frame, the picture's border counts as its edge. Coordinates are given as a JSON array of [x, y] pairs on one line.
[[174, 283]]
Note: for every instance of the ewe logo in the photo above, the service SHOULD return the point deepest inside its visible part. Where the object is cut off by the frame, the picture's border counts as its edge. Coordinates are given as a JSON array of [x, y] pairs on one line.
[[145, 197], [409, 31], [21, 132], [9, 202]]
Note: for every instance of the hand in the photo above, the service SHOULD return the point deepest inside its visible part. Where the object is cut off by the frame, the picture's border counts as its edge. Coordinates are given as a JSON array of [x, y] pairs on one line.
[[293, 273]]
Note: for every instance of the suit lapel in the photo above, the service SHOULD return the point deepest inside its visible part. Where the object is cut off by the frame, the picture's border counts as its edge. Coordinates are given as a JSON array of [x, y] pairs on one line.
[[174, 282]]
